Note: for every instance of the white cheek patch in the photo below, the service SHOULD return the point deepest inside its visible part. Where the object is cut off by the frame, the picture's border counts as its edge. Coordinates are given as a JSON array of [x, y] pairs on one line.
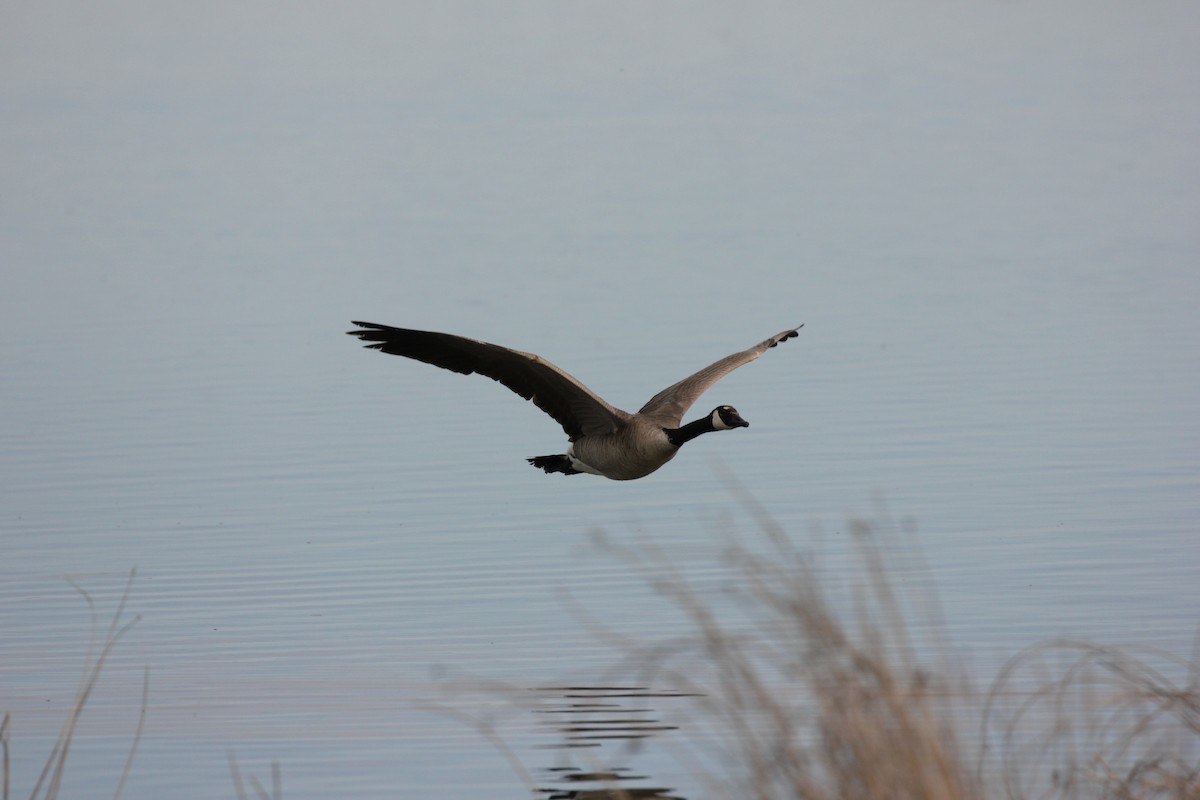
[[718, 423]]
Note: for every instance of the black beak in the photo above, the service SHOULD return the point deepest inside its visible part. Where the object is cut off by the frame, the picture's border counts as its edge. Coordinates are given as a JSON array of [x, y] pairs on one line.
[[735, 421]]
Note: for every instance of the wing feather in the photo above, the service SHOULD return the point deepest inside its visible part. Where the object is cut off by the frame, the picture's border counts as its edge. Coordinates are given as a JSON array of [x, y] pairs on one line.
[[668, 406], [579, 410]]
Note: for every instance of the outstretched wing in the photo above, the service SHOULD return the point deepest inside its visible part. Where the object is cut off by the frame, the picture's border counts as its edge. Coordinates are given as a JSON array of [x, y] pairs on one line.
[[668, 406], [573, 405]]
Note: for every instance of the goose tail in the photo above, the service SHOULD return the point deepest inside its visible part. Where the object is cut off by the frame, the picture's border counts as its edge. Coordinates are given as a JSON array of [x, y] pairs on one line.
[[556, 463]]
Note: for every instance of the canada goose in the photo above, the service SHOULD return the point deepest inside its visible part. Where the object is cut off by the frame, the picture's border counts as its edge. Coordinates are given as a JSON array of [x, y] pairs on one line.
[[604, 440]]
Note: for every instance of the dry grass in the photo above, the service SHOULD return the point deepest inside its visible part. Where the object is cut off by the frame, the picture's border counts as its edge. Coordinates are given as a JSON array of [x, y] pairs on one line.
[[805, 699], [1085, 720], [824, 691], [797, 701], [50, 780], [260, 791]]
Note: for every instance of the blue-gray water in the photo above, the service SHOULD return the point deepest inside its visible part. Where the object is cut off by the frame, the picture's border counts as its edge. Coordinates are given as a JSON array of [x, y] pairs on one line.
[[985, 219]]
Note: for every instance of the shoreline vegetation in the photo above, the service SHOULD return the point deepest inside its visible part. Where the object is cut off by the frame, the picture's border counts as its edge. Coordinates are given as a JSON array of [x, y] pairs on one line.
[[50, 779], [799, 697], [824, 687]]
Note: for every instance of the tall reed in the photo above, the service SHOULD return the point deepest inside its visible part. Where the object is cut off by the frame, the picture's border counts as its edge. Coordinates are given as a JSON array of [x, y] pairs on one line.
[[843, 686]]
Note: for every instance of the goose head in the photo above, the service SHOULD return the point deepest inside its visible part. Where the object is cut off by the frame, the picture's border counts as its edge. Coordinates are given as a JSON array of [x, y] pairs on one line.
[[726, 418]]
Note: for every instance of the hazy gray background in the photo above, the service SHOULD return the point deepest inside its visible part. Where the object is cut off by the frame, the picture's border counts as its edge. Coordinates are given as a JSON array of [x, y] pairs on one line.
[[985, 214]]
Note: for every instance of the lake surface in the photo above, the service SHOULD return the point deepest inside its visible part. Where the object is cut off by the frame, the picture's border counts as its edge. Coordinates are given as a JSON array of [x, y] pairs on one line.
[[344, 564]]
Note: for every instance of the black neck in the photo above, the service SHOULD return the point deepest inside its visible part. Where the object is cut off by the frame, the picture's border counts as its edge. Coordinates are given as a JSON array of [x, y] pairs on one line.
[[682, 435]]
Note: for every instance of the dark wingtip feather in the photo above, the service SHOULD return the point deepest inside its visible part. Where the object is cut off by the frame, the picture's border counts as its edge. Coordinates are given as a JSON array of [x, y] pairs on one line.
[[367, 331], [793, 333]]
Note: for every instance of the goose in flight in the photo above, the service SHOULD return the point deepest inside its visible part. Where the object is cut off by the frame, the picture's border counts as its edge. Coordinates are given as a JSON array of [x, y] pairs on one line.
[[604, 440]]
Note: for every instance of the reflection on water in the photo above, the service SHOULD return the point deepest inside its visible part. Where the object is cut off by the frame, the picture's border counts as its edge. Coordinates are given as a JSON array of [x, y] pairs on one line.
[[590, 716]]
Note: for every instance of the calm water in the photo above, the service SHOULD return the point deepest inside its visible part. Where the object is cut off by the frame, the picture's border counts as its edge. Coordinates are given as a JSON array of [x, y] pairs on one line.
[[344, 563]]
